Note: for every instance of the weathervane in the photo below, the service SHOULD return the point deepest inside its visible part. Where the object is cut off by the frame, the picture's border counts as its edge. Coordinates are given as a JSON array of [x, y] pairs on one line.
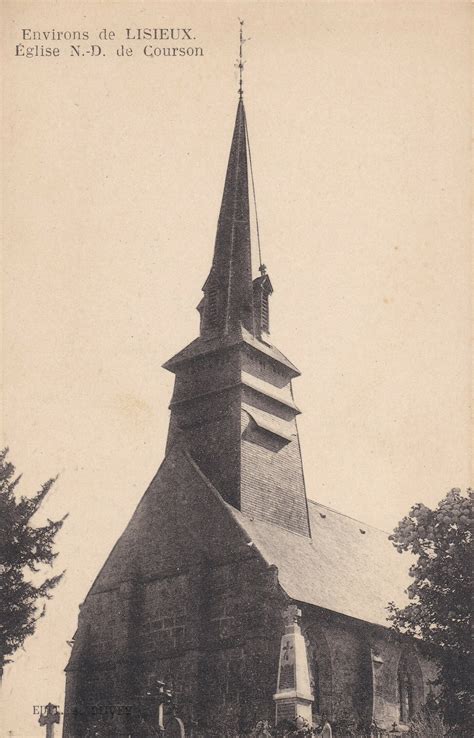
[[240, 61]]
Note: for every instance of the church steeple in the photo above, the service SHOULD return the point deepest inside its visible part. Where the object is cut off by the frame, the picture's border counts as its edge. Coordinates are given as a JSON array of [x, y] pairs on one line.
[[232, 406], [228, 291]]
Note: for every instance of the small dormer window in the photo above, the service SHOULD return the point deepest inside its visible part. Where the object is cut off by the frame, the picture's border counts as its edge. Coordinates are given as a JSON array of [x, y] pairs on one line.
[[316, 686], [262, 289], [405, 693]]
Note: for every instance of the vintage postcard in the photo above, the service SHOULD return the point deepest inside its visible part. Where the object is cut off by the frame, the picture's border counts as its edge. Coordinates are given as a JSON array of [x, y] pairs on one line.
[[237, 334]]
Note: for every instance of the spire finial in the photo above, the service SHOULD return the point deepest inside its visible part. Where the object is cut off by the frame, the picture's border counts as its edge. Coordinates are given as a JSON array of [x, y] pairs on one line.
[[240, 61]]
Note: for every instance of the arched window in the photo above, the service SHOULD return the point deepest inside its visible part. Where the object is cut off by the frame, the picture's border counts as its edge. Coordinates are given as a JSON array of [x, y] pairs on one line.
[[320, 672], [405, 692], [315, 681]]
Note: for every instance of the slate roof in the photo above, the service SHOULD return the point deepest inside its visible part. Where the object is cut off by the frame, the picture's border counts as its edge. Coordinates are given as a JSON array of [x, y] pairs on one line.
[[201, 346], [341, 568]]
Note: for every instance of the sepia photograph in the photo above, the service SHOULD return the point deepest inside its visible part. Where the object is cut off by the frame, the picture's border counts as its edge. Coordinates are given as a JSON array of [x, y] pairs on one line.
[[236, 461]]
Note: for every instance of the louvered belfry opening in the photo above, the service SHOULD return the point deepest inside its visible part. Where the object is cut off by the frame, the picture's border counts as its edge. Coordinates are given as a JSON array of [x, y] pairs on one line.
[[262, 289], [264, 315]]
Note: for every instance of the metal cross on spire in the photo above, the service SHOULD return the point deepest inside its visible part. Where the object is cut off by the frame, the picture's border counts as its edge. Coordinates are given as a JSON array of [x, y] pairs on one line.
[[240, 61]]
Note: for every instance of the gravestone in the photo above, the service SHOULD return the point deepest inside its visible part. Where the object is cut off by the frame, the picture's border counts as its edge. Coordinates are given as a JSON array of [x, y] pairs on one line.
[[327, 731]]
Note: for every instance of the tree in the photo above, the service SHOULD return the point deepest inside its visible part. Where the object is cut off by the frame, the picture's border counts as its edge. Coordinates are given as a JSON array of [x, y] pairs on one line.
[[24, 548], [427, 724], [439, 611]]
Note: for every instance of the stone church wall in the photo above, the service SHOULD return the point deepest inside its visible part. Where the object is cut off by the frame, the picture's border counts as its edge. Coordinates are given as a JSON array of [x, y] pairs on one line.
[[357, 665], [182, 599], [213, 635]]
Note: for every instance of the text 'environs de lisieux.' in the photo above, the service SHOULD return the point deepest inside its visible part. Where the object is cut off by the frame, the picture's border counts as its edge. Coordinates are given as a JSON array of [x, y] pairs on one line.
[[178, 41]]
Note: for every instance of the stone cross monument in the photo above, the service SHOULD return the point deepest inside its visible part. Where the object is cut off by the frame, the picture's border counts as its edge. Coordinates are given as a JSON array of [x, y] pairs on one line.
[[293, 697], [48, 718], [165, 697]]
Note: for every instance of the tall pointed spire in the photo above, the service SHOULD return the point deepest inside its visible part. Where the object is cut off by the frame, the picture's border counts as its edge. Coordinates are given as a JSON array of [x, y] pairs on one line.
[[228, 300]]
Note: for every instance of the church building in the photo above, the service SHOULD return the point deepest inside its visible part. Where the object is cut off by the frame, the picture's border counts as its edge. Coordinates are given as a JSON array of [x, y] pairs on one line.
[[230, 588]]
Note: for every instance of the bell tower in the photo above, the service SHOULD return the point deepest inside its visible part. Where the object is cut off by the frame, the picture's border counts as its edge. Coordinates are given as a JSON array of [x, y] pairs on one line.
[[232, 404]]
